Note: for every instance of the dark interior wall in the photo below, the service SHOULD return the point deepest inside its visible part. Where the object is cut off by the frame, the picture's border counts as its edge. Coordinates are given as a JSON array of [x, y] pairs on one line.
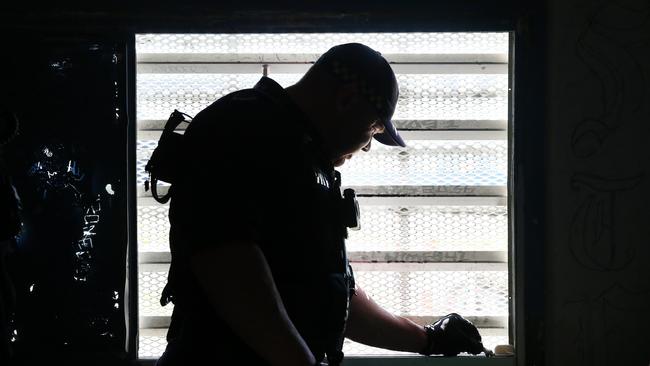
[[598, 288], [260, 16], [67, 163], [527, 19]]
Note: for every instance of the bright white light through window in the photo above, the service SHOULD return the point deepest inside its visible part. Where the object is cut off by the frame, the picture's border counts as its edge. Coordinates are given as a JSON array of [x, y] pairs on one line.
[[434, 235]]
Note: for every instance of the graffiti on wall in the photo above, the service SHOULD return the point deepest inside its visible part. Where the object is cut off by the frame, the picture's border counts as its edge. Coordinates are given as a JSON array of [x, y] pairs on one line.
[[605, 318]]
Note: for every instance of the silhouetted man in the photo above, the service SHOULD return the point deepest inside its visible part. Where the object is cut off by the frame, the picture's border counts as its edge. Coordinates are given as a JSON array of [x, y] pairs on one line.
[[259, 272]]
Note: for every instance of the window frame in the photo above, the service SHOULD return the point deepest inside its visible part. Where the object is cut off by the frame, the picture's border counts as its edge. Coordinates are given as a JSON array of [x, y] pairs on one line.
[[514, 272]]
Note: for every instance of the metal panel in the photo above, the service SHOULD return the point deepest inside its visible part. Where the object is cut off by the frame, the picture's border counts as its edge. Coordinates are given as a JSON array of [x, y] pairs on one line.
[[150, 137], [386, 267], [431, 267], [450, 124], [280, 66], [430, 163], [491, 322], [422, 96], [399, 201], [153, 342], [400, 124], [490, 337], [428, 257], [153, 228], [424, 163], [316, 43], [380, 191], [471, 289], [275, 58], [375, 256], [409, 229], [451, 82], [429, 229], [480, 135], [428, 201]]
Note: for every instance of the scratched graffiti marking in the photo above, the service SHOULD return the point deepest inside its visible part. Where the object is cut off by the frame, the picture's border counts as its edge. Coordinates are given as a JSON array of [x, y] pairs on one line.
[[606, 48], [617, 72], [56, 172], [83, 247], [593, 241], [604, 327]]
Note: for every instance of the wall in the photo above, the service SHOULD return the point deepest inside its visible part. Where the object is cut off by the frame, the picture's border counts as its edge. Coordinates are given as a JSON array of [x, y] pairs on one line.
[[598, 272], [67, 163], [122, 18]]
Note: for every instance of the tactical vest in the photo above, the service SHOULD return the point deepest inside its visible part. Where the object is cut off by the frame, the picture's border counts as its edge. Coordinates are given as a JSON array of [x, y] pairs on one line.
[[328, 273]]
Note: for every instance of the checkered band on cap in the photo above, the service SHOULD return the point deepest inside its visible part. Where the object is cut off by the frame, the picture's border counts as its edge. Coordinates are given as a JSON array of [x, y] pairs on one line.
[[374, 78], [348, 75]]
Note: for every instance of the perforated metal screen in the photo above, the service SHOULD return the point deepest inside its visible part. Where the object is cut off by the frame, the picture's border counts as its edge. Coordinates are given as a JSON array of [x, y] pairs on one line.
[[434, 236], [153, 229], [153, 343], [422, 97], [422, 163], [428, 293], [433, 163], [431, 228], [384, 228], [406, 43], [150, 285], [413, 293]]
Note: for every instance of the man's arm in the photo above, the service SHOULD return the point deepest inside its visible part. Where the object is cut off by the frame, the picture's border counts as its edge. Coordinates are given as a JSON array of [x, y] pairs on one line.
[[370, 324], [239, 284]]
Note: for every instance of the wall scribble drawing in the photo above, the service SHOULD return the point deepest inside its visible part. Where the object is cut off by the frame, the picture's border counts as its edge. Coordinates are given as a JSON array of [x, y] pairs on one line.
[[57, 171], [598, 289], [68, 166], [609, 318], [620, 78], [593, 240]]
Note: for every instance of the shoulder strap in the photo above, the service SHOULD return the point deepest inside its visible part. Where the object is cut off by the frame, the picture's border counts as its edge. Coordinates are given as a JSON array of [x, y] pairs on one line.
[[163, 162]]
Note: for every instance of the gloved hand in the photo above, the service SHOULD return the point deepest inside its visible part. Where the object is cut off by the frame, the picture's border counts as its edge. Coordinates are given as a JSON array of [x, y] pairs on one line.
[[451, 335]]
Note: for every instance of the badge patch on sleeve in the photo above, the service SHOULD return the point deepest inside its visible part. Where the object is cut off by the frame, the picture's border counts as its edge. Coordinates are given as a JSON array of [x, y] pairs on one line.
[[321, 179]]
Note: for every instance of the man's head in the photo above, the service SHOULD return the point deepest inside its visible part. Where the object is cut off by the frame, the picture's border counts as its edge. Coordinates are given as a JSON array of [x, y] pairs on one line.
[[350, 95]]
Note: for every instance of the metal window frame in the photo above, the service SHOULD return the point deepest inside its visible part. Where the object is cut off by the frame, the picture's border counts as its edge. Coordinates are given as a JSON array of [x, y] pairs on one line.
[[132, 292], [405, 361], [449, 134]]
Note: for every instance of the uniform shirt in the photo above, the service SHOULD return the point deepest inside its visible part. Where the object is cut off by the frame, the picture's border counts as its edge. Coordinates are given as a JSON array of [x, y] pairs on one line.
[[253, 171]]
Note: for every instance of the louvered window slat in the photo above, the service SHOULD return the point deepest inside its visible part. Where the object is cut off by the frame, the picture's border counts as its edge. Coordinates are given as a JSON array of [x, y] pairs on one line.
[[434, 235]]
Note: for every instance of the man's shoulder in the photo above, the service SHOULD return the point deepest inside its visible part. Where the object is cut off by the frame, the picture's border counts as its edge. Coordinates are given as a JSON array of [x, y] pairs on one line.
[[245, 104], [245, 120], [240, 114]]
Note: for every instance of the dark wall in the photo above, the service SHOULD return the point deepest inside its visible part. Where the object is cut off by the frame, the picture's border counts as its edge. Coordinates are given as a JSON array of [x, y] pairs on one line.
[[119, 19], [598, 293], [68, 165], [261, 16]]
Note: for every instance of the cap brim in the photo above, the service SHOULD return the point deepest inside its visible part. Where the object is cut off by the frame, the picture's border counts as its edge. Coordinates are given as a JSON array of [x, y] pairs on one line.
[[390, 136]]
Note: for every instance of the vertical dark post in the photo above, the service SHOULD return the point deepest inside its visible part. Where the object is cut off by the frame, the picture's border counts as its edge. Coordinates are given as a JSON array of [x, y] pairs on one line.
[[132, 325], [528, 170], [69, 267]]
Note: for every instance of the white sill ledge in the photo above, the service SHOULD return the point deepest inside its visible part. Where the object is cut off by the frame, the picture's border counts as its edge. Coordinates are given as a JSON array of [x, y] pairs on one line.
[[408, 361]]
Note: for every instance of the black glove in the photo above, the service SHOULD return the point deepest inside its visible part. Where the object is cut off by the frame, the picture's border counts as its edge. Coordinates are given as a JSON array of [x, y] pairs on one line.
[[451, 335]]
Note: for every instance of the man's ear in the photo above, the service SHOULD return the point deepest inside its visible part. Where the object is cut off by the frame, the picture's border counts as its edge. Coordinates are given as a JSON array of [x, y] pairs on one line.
[[347, 96]]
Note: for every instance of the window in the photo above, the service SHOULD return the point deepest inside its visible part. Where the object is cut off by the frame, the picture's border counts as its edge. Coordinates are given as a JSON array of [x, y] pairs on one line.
[[434, 236]]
